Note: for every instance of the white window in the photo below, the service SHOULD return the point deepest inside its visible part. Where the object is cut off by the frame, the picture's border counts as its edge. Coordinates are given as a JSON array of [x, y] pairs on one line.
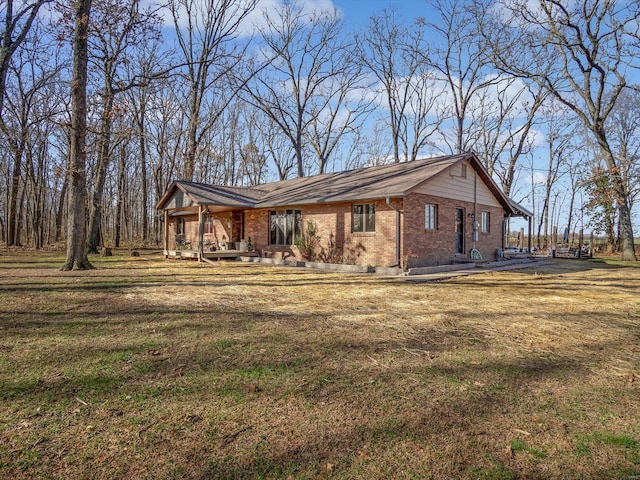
[[363, 218], [431, 216], [486, 222]]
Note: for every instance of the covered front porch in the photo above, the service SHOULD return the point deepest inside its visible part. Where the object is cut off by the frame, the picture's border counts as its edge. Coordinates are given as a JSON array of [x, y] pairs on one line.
[[205, 233], [215, 255], [205, 224]]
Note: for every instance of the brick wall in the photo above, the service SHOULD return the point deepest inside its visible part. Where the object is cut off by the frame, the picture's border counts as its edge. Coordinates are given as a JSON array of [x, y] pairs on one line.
[[421, 247], [337, 242], [190, 229]]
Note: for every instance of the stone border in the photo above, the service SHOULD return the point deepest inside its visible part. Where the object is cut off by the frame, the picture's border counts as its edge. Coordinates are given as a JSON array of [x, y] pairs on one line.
[[331, 267], [339, 267]]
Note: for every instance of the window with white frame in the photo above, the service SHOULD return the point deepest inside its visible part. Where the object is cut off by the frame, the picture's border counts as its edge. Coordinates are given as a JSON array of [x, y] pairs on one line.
[[431, 216], [486, 222], [363, 218]]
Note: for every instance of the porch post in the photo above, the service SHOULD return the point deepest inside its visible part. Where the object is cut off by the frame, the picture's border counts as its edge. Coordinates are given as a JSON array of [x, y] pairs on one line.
[[200, 232], [166, 233]]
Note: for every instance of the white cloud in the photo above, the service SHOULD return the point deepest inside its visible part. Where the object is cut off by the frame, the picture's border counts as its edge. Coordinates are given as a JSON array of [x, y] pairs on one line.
[[253, 21]]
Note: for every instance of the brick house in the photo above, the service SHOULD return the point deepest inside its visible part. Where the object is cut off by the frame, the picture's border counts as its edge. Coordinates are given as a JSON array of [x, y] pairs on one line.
[[427, 212]]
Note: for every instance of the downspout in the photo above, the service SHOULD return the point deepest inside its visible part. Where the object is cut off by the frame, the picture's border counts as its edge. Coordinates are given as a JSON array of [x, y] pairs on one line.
[[475, 209], [397, 210]]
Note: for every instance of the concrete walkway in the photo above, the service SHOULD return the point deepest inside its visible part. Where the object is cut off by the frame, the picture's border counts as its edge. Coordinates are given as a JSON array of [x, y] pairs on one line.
[[489, 267]]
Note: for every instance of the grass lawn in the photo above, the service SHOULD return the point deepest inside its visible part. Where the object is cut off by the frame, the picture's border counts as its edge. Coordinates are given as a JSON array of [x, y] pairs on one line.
[[145, 368]]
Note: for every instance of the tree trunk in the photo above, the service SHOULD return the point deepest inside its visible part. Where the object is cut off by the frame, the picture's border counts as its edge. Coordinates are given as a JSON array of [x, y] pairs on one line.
[[299, 156], [76, 225], [143, 173], [12, 220], [192, 133], [95, 216], [60, 210], [121, 194], [627, 252]]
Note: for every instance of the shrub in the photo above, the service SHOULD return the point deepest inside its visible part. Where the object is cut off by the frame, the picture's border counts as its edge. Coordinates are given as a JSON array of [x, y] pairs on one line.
[[308, 242]]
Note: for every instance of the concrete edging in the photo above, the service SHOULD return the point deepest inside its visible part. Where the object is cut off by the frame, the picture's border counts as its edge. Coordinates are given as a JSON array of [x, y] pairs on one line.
[[332, 267]]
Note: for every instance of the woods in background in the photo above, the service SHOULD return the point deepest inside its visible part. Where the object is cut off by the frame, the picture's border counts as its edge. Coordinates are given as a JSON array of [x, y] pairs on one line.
[[224, 92]]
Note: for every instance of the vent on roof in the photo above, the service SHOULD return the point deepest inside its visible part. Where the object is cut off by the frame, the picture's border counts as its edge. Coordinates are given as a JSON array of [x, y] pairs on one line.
[[459, 170]]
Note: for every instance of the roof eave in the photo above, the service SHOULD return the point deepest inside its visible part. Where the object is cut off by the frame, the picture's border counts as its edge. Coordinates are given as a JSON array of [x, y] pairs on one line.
[[506, 202], [332, 200], [167, 196]]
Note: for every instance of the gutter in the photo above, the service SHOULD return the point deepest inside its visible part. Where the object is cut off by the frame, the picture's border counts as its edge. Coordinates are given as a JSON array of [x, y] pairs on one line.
[[397, 210]]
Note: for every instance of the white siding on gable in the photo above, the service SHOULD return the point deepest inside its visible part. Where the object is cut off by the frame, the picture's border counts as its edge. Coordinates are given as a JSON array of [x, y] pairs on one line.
[[178, 200], [451, 184]]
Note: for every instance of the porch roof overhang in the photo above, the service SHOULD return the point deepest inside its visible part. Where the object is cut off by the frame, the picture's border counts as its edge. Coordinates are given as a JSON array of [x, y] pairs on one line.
[[519, 210], [184, 197]]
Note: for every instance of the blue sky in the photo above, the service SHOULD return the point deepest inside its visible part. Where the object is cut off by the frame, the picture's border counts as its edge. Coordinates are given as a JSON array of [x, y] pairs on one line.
[[357, 14]]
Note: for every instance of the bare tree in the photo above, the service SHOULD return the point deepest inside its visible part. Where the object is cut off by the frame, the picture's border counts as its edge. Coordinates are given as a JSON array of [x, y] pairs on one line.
[[558, 123], [579, 52], [502, 121], [77, 221], [138, 102], [309, 88], [207, 34], [118, 29], [394, 54], [253, 165], [623, 126], [18, 20], [463, 63], [279, 148], [165, 134]]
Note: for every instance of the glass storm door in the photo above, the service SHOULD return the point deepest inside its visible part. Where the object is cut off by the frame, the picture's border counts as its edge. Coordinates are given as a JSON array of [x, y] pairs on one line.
[[459, 230]]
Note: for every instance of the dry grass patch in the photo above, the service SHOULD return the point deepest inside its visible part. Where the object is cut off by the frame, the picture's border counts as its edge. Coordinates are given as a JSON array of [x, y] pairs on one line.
[[156, 369]]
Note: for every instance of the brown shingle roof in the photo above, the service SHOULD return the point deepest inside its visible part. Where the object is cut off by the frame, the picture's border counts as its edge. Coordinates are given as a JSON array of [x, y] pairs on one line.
[[204, 194], [361, 184], [394, 180]]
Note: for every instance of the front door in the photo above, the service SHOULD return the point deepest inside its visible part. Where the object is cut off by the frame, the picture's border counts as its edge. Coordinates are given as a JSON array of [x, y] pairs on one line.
[[459, 230], [237, 226]]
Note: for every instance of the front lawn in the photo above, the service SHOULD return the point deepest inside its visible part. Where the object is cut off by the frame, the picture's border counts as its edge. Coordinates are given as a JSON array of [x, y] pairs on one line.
[[146, 368]]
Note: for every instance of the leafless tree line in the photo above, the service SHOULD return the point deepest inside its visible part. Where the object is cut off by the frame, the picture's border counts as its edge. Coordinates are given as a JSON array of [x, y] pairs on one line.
[[195, 90]]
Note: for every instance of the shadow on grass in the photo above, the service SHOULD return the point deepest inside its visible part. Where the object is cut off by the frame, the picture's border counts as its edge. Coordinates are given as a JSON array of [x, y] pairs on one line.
[[287, 395]]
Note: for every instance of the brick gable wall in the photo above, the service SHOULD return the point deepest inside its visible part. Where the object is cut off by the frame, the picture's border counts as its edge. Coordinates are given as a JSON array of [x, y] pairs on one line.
[[423, 247]]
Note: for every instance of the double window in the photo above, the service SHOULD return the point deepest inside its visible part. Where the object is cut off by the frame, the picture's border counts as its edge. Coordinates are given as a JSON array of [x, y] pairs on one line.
[[363, 218], [285, 226], [431, 216]]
